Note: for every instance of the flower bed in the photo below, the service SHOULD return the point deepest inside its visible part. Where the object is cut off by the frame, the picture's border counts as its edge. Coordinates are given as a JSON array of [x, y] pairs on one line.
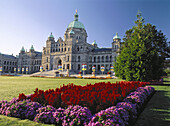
[[96, 97], [108, 113]]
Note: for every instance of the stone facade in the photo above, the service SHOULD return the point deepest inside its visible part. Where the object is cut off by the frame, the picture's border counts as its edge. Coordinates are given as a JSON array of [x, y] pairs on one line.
[[29, 62], [71, 53], [74, 51], [8, 63]]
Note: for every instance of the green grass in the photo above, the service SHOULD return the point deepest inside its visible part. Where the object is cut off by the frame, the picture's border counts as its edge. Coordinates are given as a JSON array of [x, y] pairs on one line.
[[166, 80], [10, 121], [157, 111], [10, 87]]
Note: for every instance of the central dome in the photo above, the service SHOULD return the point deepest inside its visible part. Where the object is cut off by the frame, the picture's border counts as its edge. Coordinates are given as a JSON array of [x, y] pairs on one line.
[[76, 23]]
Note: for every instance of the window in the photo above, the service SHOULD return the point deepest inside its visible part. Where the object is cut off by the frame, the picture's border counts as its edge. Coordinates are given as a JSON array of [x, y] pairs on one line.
[[78, 58], [107, 59], [94, 59], [64, 49], [68, 49], [110, 58], [68, 58], [78, 66], [102, 58], [68, 66], [98, 59], [77, 48], [47, 59]]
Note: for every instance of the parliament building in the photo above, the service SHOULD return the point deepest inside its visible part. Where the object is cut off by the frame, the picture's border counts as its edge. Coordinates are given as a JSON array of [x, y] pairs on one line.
[[71, 52]]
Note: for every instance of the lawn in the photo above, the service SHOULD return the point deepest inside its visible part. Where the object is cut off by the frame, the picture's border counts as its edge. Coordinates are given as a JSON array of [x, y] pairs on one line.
[[10, 87], [157, 111]]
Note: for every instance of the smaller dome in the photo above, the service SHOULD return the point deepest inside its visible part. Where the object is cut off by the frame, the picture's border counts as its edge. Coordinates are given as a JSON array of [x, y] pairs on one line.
[[51, 35], [32, 48], [94, 43], [116, 36], [23, 50]]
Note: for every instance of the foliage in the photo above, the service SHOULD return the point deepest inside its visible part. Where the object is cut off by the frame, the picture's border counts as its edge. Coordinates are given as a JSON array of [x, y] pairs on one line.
[[96, 97], [122, 114], [143, 53]]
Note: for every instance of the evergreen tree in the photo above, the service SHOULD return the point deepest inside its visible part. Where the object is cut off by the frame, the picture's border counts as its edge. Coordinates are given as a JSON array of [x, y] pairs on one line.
[[143, 53]]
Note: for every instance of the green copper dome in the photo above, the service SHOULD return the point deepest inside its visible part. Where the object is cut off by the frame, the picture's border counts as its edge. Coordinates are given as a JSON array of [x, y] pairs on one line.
[[32, 48], [76, 23], [51, 35], [116, 36], [23, 50], [94, 43]]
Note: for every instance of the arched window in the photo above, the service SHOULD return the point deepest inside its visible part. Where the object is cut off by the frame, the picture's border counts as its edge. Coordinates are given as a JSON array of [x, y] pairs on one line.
[[94, 59], [78, 66], [68, 66], [68, 58], [61, 49], [107, 59], [110, 58], [56, 50], [98, 59], [78, 58], [64, 49], [102, 58]]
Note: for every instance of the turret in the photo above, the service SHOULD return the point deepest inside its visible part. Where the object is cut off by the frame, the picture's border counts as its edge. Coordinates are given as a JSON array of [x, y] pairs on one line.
[[116, 43], [32, 49], [94, 44], [22, 50]]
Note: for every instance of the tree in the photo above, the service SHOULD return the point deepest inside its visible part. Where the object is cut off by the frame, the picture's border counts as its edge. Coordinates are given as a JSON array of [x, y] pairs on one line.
[[143, 53]]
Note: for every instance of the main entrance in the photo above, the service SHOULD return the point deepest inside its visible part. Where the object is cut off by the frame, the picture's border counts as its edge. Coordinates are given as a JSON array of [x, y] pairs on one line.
[[57, 62]]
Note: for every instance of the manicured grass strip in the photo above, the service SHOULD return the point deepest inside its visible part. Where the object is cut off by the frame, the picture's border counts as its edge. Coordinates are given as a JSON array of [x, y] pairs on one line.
[[10, 87], [157, 111], [166, 80], [10, 121]]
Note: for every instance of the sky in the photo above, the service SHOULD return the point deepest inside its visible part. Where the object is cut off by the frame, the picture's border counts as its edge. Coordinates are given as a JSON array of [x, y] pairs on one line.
[[30, 22]]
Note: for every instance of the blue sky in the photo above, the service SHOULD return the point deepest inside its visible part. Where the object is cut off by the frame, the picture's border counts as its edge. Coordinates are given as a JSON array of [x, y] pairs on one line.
[[29, 22]]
